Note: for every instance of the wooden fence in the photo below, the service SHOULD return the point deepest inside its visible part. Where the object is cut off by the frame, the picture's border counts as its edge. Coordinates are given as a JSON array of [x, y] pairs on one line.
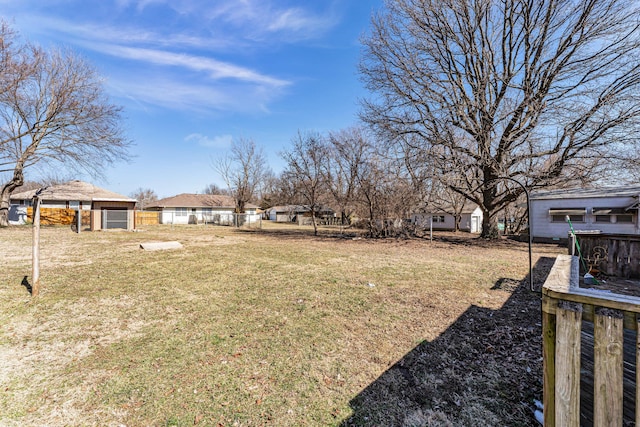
[[147, 218], [612, 254], [59, 216], [566, 309]]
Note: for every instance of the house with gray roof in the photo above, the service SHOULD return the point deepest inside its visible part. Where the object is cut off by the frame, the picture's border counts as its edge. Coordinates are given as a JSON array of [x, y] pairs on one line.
[[188, 208], [108, 210], [607, 210]]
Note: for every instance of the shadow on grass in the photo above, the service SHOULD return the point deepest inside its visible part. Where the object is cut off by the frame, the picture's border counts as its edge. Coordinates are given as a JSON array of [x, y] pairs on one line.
[[27, 285], [485, 369]]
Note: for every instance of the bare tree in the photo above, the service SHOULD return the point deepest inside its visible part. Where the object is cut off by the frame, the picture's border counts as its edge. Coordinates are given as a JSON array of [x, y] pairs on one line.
[[305, 163], [385, 194], [348, 150], [144, 197], [53, 109], [528, 90], [214, 189], [269, 194], [243, 170]]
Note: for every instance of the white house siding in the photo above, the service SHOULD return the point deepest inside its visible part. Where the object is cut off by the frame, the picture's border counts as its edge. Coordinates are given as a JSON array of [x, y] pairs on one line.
[[469, 221], [543, 227], [203, 215], [17, 214]]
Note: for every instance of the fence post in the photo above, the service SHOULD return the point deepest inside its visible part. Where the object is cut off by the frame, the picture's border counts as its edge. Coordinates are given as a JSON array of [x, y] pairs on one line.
[[549, 361], [35, 270], [572, 244], [567, 364], [608, 373]]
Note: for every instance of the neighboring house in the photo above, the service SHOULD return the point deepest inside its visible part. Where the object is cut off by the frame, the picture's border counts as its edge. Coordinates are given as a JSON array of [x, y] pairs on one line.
[[604, 210], [109, 210], [294, 213], [200, 208], [443, 219]]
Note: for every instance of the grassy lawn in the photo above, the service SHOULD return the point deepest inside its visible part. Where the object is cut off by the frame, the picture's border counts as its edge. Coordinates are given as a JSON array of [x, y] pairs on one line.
[[270, 327]]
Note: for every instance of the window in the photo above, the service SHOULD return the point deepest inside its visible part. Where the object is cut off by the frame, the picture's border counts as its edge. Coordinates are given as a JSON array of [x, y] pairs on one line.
[[574, 214], [563, 218], [181, 211], [628, 218], [438, 218], [73, 204], [603, 218]]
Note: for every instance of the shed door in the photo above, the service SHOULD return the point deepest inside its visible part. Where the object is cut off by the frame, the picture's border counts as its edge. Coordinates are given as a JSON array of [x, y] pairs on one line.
[[475, 224], [115, 218]]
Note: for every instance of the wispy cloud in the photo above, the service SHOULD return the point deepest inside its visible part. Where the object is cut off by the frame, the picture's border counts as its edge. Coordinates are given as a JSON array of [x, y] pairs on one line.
[[190, 54], [179, 95], [264, 20], [215, 69], [88, 33], [298, 20], [220, 141]]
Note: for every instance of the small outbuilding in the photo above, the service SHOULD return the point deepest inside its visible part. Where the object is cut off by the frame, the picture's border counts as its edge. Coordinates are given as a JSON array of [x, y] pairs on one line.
[[105, 209], [444, 219], [608, 210], [297, 213]]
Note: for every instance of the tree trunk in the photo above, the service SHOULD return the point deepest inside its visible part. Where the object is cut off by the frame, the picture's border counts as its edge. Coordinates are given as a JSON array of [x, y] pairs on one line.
[[489, 225], [5, 193], [4, 207], [313, 221]]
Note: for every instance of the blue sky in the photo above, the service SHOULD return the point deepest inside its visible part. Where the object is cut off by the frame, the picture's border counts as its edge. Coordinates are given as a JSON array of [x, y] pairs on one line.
[[193, 74]]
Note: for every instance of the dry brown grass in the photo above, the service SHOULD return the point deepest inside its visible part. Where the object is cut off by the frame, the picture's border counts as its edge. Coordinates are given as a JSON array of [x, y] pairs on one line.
[[272, 327]]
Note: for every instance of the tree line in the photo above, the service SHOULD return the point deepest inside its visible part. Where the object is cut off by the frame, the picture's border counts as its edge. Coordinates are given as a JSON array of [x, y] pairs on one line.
[[350, 170]]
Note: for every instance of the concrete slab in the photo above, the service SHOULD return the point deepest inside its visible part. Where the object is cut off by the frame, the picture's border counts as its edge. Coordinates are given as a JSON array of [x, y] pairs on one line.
[[158, 246]]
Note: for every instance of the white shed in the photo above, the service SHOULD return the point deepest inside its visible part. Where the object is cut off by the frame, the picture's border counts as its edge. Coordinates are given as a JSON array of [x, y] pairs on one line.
[[443, 219], [611, 210]]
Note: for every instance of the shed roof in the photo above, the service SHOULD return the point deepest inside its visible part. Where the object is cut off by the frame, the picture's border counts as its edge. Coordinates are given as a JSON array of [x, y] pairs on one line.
[[73, 190], [583, 193], [186, 200], [468, 208]]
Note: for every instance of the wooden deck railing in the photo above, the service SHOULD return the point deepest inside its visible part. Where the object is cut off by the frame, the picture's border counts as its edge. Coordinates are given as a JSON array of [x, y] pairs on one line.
[[564, 308]]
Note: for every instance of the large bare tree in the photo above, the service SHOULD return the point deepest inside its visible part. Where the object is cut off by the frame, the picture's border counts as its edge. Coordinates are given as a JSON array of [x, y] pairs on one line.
[[534, 91], [53, 110], [305, 167], [243, 170]]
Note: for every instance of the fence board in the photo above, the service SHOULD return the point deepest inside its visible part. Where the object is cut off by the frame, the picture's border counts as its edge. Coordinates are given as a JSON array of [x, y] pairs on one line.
[[147, 218], [567, 361], [59, 216], [608, 364]]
